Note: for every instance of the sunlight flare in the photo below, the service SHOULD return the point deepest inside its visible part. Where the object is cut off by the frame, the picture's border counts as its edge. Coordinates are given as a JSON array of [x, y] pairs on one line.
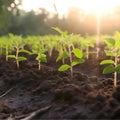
[[94, 6], [98, 6]]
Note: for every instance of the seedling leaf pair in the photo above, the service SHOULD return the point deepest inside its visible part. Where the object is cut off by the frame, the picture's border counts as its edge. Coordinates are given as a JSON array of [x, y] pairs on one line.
[[66, 66], [77, 53], [41, 58]]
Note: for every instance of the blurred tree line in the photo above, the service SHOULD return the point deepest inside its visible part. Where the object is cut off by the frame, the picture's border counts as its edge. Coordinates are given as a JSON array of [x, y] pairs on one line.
[[14, 20]]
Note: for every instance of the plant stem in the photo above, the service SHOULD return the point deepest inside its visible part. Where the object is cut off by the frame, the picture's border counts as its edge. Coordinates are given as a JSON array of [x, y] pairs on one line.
[[71, 68], [115, 73], [63, 60], [39, 65], [50, 52], [1, 51], [87, 52], [6, 53], [115, 79], [98, 50], [17, 62]]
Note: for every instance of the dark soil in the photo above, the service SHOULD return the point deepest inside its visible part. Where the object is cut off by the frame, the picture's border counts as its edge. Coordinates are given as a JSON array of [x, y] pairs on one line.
[[88, 95]]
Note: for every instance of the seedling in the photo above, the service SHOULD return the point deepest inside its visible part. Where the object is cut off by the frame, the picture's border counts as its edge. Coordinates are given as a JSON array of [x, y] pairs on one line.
[[78, 54], [66, 49], [39, 50], [61, 42], [113, 50], [17, 44], [5, 46], [50, 42]]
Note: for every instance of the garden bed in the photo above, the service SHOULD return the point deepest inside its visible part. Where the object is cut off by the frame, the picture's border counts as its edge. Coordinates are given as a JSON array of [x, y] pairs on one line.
[[59, 77], [88, 95]]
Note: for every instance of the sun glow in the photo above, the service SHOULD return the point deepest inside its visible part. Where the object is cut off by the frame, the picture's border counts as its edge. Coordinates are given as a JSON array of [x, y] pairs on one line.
[[29, 5], [62, 6], [98, 6]]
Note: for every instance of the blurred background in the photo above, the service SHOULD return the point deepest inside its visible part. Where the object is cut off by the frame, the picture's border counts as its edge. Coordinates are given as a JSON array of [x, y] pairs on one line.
[[36, 17]]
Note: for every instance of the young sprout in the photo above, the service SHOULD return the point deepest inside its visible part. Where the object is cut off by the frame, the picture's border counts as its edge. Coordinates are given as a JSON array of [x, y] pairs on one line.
[[50, 41], [8, 47], [41, 58], [18, 45], [112, 50], [2, 46], [61, 44], [39, 49], [66, 49], [79, 59]]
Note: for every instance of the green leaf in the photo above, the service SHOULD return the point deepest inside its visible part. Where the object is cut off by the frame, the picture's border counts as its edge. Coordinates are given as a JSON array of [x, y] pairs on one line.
[[57, 29], [62, 33], [117, 43], [37, 58], [106, 62], [109, 69], [26, 51], [64, 67], [117, 69], [61, 56], [42, 58], [109, 53], [76, 62], [21, 59], [11, 56], [110, 42], [77, 53], [34, 52]]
